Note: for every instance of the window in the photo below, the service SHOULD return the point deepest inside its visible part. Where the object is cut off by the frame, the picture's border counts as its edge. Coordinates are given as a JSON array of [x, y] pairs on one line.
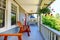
[[2, 17], [2, 3], [2, 13], [13, 14]]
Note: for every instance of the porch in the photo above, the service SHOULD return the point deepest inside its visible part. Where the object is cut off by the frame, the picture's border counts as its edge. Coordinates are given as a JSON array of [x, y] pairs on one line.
[[34, 35], [20, 10]]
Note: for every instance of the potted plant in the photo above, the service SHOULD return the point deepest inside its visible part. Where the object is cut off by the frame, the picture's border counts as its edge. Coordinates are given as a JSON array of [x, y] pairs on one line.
[[43, 11]]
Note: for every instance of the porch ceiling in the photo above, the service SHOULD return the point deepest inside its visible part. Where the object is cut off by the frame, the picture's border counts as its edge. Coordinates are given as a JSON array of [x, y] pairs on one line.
[[31, 6]]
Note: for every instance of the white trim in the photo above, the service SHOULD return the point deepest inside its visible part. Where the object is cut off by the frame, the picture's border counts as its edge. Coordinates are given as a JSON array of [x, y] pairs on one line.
[[8, 25], [49, 33], [17, 14], [52, 30], [7, 28]]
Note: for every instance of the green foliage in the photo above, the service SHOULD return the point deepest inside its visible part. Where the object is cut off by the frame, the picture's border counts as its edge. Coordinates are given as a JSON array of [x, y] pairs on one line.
[[1, 20], [57, 15], [51, 21], [13, 20], [44, 10]]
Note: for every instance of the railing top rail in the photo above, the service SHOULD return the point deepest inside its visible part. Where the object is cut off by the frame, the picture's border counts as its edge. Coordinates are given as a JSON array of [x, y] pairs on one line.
[[51, 29]]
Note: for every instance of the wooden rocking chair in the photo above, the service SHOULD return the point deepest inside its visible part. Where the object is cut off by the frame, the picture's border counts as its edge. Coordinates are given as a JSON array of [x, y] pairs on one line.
[[23, 28]]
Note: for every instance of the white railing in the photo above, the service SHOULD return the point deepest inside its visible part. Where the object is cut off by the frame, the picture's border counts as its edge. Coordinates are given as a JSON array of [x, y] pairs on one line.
[[49, 33]]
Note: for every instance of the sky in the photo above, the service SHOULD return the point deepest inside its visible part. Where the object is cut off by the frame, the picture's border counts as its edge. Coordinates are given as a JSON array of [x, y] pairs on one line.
[[55, 6], [35, 15]]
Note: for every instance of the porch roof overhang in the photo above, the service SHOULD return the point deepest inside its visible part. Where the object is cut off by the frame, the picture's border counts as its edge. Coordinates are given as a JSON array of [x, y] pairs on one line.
[[31, 6], [46, 3]]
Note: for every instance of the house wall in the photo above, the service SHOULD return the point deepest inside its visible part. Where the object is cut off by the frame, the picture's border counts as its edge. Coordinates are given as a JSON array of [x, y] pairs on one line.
[[8, 28], [8, 25], [21, 15]]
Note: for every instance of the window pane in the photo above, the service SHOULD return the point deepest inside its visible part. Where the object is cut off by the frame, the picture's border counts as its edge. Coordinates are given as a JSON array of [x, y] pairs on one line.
[[13, 14], [2, 12], [2, 17], [0, 3], [3, 3]]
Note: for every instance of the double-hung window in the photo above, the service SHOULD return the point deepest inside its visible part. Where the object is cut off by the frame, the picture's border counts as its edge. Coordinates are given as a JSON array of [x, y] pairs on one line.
[[13, 14], [2, 13]]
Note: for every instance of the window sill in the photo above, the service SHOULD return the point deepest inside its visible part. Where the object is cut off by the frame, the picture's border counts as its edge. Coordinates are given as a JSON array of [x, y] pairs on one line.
[[7, 28]]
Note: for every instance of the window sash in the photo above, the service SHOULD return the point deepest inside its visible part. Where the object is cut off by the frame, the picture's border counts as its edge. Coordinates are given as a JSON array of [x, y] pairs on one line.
[[3, 3], [2, 13], [2, 17], [13, 14]]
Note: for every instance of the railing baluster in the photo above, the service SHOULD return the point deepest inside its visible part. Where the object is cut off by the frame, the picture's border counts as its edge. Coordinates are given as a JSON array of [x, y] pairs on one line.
[[49, 33]]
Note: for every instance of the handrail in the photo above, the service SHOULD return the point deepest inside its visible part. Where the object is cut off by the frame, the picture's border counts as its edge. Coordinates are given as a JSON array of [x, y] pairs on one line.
[[17, 34], [51, 29]]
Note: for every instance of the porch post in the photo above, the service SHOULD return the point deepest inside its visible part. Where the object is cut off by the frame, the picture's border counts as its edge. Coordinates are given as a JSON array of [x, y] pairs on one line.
[[17, 13], [8, 13], [39, 22]]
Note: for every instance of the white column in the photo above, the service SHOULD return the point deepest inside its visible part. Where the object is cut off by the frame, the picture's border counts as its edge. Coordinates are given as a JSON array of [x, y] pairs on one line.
[[8, 13], [54, 36], [18, 13], [39, 22], [58, 37]]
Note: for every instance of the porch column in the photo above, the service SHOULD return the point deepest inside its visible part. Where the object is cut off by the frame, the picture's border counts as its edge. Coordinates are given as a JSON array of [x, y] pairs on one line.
[[8, 13], [39, 22], [17, 13], [27, 19]]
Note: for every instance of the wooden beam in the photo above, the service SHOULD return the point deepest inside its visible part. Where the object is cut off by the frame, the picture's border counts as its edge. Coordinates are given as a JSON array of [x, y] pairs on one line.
[[47, 4], [40, 1], [17, 34], [51, 3]]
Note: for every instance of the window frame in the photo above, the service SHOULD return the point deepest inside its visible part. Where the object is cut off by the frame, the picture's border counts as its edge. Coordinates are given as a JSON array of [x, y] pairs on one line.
[[4, 11], [17, 14], [13, 11]]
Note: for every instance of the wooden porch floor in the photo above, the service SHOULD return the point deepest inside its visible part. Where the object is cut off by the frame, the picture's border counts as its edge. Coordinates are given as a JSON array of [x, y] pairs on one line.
[[34, 35]]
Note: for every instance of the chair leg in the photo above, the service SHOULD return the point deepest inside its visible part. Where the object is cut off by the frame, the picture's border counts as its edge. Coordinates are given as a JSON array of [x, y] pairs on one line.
[[28, 33], [5, 38], [19, 38]]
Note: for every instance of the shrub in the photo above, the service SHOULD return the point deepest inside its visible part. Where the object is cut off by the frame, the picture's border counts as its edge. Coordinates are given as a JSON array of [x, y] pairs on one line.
[[51, 21]]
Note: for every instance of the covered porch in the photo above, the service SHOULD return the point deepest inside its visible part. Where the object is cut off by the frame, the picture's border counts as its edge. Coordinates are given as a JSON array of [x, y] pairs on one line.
[[19, 10], [34, 35]]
